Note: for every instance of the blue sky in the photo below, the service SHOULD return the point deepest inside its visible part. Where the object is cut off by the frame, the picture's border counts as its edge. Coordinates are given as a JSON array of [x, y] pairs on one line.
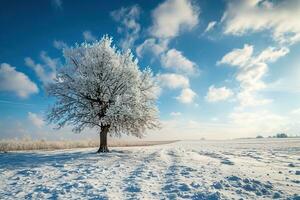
[[226, 69]]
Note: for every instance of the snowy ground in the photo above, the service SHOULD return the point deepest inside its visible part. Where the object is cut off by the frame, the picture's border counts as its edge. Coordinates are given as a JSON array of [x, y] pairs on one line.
[[239, 169]]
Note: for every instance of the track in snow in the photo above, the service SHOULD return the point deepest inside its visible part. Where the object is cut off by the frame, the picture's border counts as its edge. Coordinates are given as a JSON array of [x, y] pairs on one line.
[[248, 169]]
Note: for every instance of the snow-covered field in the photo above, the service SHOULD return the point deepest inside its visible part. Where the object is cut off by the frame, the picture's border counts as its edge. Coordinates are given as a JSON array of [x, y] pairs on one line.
[[237, 169]]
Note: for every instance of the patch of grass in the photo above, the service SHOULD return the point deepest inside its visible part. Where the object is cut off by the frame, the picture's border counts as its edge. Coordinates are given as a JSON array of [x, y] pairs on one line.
[[28, 144]]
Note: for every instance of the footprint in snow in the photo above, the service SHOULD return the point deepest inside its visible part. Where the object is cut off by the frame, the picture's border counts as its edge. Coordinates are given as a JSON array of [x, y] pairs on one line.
[[133, 188]]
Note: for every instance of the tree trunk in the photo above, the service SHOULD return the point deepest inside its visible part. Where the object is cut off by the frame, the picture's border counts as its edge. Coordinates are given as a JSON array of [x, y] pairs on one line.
[[103, 139]]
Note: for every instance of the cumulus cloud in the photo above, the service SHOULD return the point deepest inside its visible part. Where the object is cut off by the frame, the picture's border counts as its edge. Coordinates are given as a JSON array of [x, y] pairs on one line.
[[210, 26], [177, 81], [186, 96], [279, 17], [174, 59], [13, 81], [128, 18], [153, 46], [218, 94], [251, 70], [46, 72], [169, 19], [173, 16], [88, 36], [172, 81], [36, 120]]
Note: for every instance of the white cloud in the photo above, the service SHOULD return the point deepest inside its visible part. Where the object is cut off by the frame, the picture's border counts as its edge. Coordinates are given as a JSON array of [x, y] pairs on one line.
[[173, 81], [280, 17], [210, 26], [186, 96], [129, 26], [175, 114], [17, 82], [50, 62], [271, 54], [173, 16], [238, 57], [174, 59], [251, 98], [251, 70], [153, 46], [177, 81], [58, 44], [88, 36], [259, 121], [46, 72], [36, 120], [218, 94], [169, 19]]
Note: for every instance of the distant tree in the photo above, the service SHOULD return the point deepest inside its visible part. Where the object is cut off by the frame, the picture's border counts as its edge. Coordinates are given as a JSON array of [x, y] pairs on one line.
[[259, 136], [281, 135], [101, 87]]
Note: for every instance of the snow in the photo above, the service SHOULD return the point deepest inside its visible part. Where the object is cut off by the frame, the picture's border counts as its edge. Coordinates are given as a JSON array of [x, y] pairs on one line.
[[233, 169]]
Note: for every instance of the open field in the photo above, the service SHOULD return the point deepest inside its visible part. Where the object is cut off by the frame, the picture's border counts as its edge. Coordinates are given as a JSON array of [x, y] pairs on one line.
[[236, 169], [23, 145]]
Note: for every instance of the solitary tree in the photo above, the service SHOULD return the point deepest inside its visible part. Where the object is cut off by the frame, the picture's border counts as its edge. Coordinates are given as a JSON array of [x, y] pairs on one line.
[[101, 87]]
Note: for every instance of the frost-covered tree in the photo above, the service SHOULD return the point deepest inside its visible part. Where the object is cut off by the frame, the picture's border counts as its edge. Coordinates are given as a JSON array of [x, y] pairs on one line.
[[102, 87]]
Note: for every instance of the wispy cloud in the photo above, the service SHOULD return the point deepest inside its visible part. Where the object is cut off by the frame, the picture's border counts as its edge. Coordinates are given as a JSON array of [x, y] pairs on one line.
[[128, 18], [46, 72], [210, 26], [36, 120], [58, 44], [88, 36], [251, 70], [175, 114], [280, 17]]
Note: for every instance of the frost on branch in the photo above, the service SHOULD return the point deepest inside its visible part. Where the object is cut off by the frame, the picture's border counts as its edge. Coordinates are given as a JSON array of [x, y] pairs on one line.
[[100, 86]]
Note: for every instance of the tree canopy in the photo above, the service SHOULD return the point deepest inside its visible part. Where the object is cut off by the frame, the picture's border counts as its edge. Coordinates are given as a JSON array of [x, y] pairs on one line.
[[101, 86]]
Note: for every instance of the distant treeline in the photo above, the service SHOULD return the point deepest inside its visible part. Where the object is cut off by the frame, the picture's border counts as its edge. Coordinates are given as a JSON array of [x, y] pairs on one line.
[[279, 135]]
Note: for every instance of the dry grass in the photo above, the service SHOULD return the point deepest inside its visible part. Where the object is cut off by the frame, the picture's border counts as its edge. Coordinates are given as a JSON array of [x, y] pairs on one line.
[[27, 144]]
